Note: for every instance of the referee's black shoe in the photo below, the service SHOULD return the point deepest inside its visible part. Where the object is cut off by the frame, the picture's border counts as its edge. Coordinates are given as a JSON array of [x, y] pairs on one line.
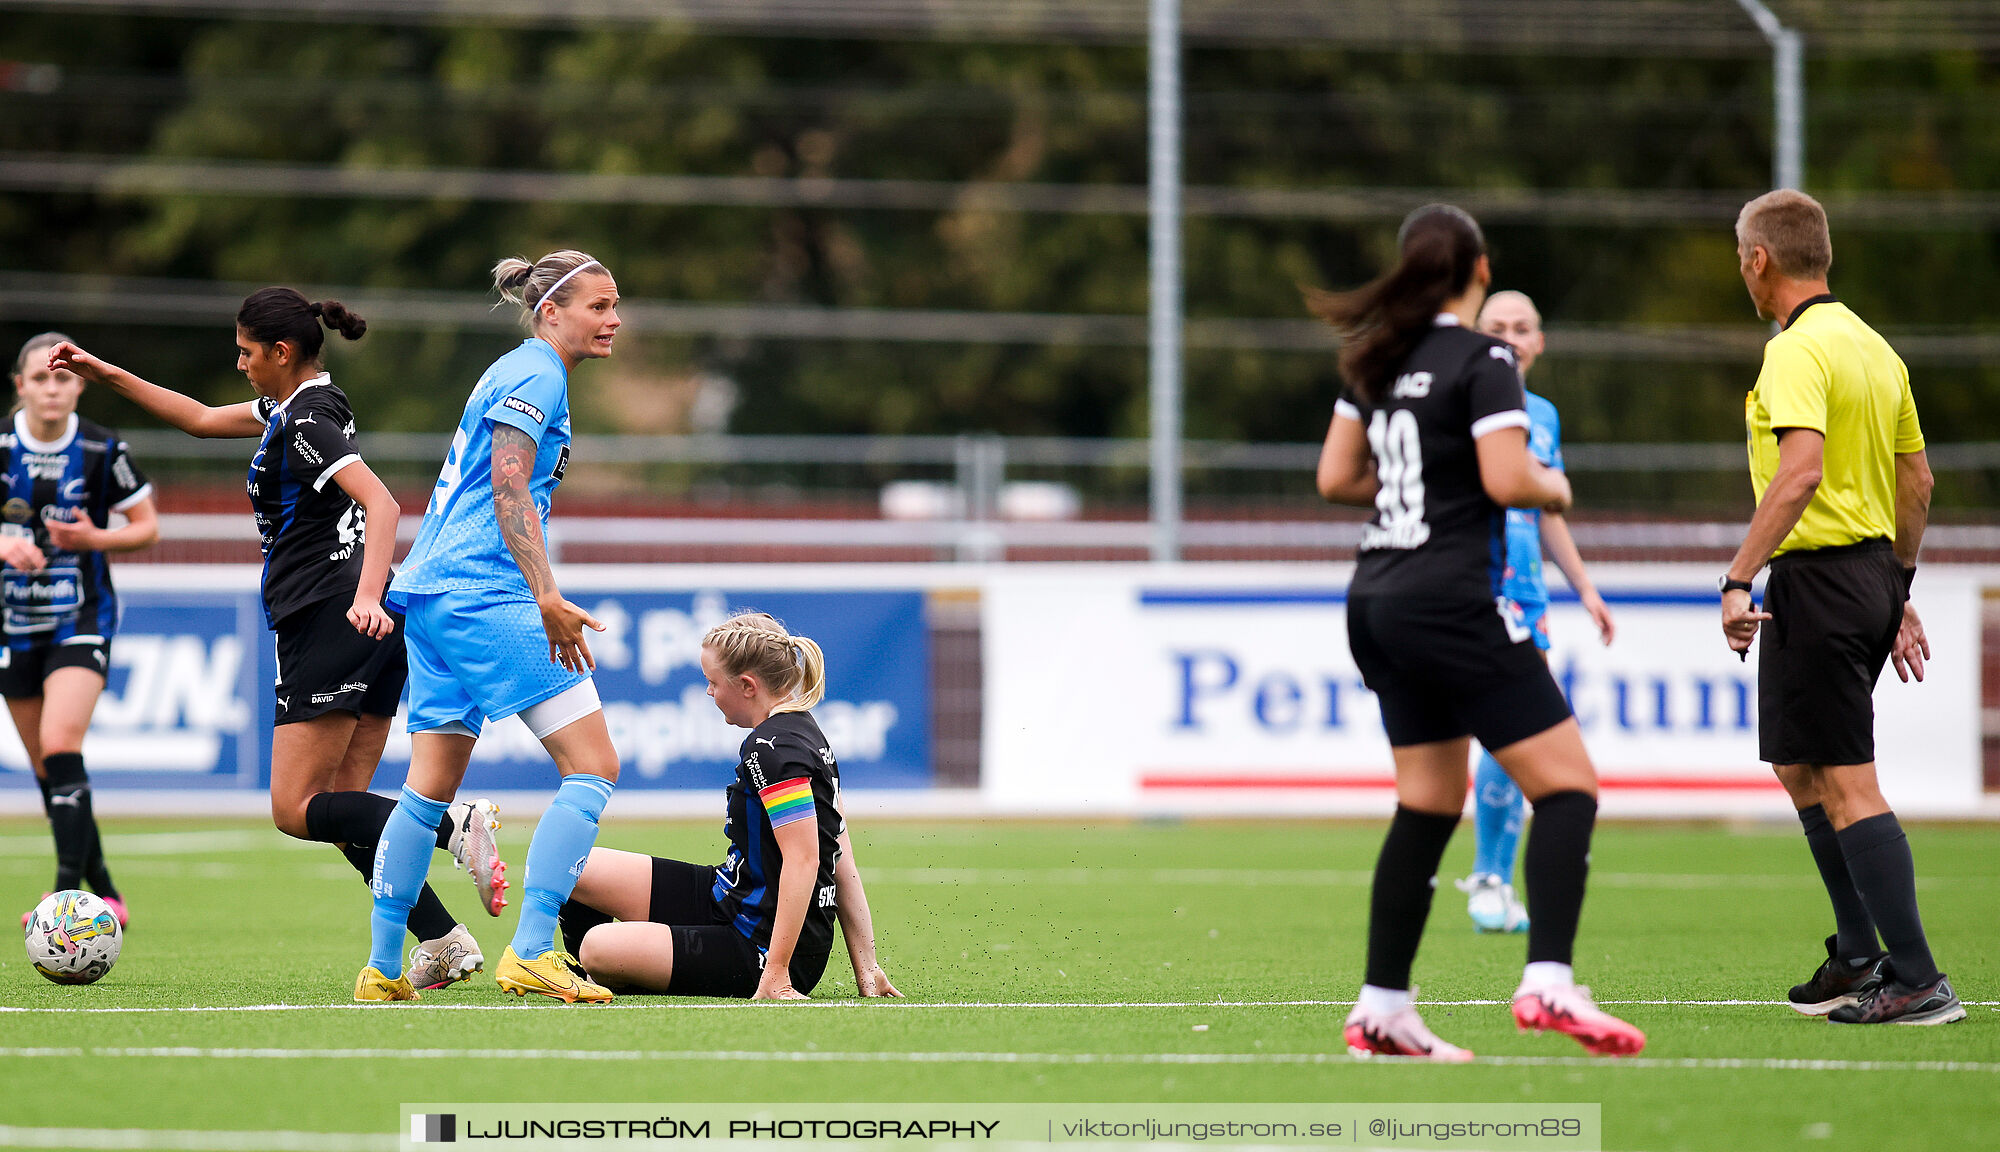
[[1898, 1003], [1838, 983]]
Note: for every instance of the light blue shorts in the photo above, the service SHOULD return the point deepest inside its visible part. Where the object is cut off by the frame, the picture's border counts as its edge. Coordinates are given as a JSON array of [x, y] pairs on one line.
[[1534, 617], [476, 655]]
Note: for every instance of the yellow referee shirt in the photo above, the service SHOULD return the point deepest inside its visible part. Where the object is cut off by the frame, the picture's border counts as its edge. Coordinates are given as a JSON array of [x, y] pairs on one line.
[[1830, 372]]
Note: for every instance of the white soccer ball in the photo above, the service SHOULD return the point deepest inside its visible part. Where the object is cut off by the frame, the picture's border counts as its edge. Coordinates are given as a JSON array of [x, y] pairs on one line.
[[73, 938]]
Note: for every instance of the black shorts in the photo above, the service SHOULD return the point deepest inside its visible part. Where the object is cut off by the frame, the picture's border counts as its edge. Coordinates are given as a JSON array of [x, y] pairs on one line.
[[1834, 617], [324, 665], [1442, 670], [711, 958], [22, 670]]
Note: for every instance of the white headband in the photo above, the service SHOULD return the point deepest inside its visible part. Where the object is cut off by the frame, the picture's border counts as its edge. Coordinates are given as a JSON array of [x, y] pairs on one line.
[[564, 280]]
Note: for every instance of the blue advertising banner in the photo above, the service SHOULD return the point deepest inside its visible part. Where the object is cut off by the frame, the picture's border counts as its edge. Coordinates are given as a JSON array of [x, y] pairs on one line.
[[876, 714], [188, 700], [181, 703]]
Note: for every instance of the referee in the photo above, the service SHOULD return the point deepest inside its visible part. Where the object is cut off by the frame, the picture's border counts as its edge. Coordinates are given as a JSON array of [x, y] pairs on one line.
[[1843, 491]]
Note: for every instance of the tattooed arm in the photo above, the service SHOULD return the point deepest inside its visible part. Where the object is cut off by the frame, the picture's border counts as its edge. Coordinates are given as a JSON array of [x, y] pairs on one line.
[[521, 527]]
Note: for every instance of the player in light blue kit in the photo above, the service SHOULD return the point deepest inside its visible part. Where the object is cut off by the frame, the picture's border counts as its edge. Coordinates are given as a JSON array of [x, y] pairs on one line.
[[490, 636], [1490, 898]]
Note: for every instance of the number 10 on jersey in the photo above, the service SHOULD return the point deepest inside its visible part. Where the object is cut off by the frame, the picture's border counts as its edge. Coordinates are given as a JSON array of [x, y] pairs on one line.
[[1399, 468]]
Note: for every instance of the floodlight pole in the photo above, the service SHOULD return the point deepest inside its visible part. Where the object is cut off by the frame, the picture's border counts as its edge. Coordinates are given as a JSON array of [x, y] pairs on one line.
[[1788, 91], [1164, 326]]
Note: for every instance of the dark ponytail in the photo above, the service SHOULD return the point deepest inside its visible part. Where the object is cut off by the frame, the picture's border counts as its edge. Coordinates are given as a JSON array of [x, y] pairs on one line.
[[1381, 322], [271, 315]]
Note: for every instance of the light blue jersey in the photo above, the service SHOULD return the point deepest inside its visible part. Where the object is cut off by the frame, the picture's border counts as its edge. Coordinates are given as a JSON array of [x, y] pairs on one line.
[[1522, 582], [459, 547]]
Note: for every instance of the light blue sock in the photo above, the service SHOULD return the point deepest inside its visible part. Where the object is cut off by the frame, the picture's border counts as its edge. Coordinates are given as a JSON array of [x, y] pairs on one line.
[[1497, 818], [555, 858], [402, 861]]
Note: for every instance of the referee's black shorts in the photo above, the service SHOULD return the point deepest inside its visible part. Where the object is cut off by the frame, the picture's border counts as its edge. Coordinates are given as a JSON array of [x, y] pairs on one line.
[[1445, 669], [1834, 617]]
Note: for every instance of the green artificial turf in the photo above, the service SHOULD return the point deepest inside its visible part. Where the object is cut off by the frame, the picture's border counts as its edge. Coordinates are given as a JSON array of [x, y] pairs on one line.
[[1128, 933]]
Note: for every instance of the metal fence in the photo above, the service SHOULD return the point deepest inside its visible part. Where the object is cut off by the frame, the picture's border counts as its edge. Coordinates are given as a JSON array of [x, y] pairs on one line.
[[651, 499]]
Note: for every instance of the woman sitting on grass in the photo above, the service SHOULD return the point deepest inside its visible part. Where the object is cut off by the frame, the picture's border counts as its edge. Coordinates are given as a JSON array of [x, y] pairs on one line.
[[761, 924]]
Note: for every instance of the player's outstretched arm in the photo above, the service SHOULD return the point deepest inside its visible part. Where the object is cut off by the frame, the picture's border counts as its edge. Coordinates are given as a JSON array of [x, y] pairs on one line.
[[231, 421], [1561, 547], [521, 527], [857, 926], [798, 869]]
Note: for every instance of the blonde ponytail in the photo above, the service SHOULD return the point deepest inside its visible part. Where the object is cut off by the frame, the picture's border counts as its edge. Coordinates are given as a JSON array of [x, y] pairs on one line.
[[792, 667]]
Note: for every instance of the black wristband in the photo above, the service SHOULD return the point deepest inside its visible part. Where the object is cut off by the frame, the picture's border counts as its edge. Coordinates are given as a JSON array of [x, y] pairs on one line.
[[1909, 578]]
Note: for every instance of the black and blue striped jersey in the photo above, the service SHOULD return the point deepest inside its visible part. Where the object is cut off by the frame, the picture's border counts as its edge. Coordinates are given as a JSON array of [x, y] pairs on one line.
[[312, 530], [786, 773], [1436, 535], [85, 474]]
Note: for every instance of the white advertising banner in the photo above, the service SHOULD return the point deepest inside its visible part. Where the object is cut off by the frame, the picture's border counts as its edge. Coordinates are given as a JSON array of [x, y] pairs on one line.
[[1230, 688]]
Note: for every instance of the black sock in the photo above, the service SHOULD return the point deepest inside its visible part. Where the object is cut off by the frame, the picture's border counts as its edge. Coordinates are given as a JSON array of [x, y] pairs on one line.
[[574, 920], [428, 917], [1405, 879], [44, 786], [69, 818], [355, 818], [1878, 857], [1854, 931], [1556, 866], [94, 870]]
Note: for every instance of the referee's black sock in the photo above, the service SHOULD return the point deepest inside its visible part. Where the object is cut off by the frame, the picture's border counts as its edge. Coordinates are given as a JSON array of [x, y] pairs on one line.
[[356, 818], [428, 917], [1555, 866], [1878, 857], [69, 816], [1855, 932], [1405, 879]]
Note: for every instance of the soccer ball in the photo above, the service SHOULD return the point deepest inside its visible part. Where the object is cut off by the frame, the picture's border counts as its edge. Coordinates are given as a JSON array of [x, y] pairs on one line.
[[73, 938]]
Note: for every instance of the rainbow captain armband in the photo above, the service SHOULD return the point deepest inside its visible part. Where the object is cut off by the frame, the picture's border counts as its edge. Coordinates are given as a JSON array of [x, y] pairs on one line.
[[788, 801]]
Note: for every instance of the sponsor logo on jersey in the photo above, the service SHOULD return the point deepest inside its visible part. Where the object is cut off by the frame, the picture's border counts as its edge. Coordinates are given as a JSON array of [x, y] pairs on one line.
[[1501, 352], [772, 743], [562, 465], [525, 408], [121, 471], [46, 465], [306, 451], [1412, 385], [17, 511], [72, 490], [755, 769], [826, 757]]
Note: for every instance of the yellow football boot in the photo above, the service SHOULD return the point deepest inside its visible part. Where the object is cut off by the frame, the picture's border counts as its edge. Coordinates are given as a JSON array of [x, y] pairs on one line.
[[554, 973], [373, 987]]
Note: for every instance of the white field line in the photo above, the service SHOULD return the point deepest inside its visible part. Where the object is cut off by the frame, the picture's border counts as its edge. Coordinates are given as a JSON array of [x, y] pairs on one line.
[[186, 1140], [873, 1006], [164, 843], [814, 1056], [1327, 877], [243, 840]]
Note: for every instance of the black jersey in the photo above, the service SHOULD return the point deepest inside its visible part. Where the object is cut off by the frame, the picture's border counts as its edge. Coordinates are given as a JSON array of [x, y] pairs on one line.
[[786, 773], [312, 530], [85, 474], [1436, 534]]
